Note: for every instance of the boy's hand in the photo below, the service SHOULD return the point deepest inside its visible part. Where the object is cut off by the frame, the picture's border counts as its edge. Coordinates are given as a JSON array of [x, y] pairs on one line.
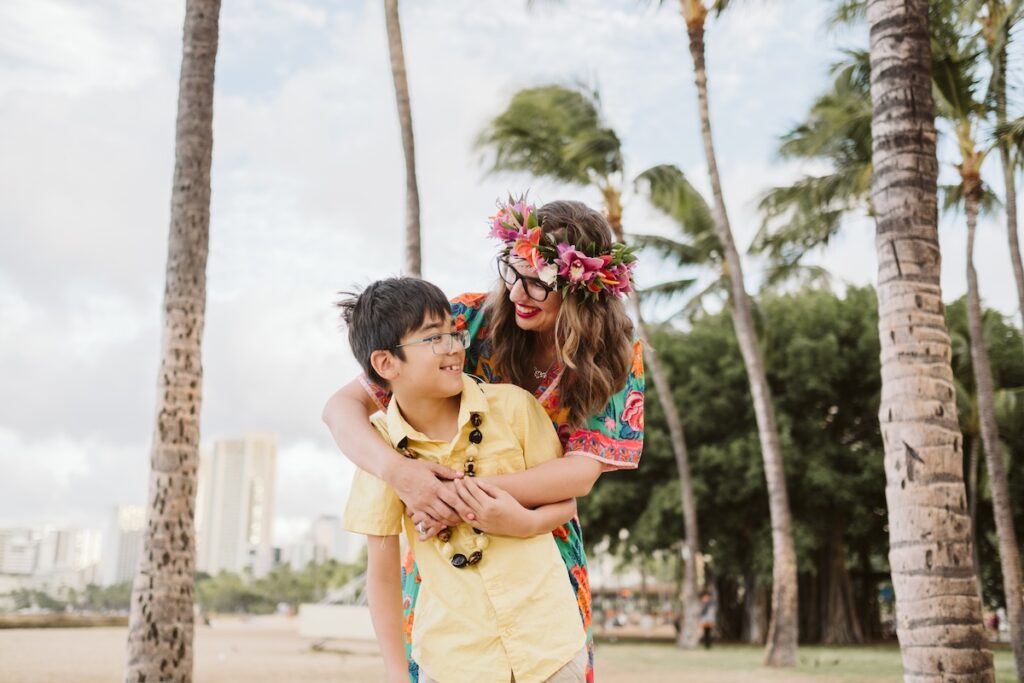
[[495, 510], [418, 483]]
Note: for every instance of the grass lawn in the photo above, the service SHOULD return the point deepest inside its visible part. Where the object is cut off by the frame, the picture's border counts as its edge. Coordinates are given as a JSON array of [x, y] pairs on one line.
[[662, 663]]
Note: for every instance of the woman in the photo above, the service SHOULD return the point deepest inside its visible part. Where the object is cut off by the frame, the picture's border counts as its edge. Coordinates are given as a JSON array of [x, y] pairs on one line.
[[556, 326]]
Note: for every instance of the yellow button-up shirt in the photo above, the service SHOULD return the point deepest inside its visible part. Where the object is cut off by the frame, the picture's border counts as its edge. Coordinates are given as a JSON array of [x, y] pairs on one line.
[[513, 613]]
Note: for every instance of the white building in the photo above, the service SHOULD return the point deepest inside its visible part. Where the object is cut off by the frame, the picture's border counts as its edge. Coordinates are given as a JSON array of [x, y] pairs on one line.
[[122, 544], [19, 549], [67, 559], [325, 540], [235, 505]]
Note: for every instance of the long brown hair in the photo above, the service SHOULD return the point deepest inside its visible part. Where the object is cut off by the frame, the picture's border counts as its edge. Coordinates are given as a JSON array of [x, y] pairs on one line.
[[595, 337]]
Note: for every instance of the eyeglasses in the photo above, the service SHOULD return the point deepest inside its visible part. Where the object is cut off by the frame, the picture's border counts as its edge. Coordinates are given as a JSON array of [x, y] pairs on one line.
[[444, 343], [535, 288]]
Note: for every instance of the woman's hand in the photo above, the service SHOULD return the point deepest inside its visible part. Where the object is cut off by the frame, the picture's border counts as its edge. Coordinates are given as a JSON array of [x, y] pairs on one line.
[[420, 485], [495, 510]]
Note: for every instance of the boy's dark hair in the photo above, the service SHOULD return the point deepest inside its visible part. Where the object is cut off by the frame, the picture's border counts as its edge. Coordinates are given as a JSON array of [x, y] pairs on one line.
[[385, 311]]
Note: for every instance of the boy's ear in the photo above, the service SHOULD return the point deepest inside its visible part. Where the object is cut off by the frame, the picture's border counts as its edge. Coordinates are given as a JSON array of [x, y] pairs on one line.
[[385, 364]]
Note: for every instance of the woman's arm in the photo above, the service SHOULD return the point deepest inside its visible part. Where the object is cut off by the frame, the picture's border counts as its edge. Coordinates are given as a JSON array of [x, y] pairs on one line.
[[550, 482], [384, 592], [498, 513], [416, 482]]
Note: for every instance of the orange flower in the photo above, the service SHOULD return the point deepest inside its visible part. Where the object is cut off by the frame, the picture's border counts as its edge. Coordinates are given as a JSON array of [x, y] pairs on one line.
[[638, 360]]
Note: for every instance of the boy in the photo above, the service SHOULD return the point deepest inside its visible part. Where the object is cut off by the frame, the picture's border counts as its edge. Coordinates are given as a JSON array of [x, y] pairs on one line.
[[491, 608]]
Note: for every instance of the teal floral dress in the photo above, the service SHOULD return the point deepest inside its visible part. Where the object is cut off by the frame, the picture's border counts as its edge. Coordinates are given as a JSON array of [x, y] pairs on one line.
[[614, 437]]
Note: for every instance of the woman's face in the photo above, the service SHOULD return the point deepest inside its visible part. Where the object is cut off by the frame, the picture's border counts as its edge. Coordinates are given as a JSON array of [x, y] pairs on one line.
[[531, 315]]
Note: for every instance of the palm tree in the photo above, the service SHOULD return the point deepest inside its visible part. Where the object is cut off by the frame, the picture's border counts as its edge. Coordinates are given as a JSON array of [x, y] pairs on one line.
[[954, 76], [161, 624], [412, 193], [939, 624], [783, 628], [807, 214], [998, 19], [557, 132]]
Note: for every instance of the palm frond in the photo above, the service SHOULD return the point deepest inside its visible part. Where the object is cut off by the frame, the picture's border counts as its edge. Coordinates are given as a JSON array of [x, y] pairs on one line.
[[553, 131], [670, 192], [678, 253], [666, 291]]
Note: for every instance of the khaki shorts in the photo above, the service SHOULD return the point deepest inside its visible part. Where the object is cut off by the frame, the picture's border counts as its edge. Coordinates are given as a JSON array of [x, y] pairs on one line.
[[573, 672]]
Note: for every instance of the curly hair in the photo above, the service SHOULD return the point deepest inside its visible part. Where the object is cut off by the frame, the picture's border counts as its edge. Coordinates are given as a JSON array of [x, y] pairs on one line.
[[594, 337]]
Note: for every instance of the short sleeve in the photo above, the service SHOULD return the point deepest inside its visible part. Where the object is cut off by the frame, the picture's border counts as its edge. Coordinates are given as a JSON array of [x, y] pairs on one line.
[[373, 507], [468, 314], [615, 436], [533, 428]]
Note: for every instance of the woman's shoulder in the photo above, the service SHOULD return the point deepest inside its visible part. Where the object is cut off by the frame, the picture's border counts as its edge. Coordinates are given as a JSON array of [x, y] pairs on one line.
[[470, 300]]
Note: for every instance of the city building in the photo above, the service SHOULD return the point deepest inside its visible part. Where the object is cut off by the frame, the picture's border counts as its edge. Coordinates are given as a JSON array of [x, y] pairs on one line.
[[122, 544], [235, 505]]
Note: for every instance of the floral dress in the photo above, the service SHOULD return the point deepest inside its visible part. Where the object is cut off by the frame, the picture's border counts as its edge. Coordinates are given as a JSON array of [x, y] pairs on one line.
[[614, 437]]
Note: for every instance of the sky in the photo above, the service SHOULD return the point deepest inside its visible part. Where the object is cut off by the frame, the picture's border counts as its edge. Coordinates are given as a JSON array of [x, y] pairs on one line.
[[308, 199]]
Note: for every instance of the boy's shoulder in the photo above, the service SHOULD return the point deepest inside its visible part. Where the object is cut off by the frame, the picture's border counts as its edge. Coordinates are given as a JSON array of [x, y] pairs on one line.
[[508, 396]]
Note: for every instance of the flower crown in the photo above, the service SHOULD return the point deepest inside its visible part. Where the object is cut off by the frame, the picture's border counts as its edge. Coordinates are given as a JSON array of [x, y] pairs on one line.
[[566, 267]]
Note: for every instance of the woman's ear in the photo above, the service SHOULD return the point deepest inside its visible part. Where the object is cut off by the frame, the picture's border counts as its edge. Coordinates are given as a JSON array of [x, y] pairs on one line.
[[385, 364]]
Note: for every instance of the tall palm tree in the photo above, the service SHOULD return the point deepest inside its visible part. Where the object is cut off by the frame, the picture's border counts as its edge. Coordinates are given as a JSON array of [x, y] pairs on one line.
[[807, 214], [783, 628], [957, 86], [998, 20], [160, 626], [413, 264], [557, 132], [939, 624]]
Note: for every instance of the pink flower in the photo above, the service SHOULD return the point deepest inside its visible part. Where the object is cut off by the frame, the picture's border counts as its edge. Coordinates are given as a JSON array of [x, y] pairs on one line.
[[618, 278], [576, 266], [609, 424], [633, 411]]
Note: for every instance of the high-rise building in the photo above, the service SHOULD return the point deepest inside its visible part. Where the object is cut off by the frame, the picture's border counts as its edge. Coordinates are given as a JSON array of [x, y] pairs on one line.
[[122, 544], [235, 505], [19, 550], [67, 559], [325, 540]]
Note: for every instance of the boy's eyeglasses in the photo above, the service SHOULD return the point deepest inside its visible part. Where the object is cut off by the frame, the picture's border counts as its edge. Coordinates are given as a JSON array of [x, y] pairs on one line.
[[444, 343], [535, 288]]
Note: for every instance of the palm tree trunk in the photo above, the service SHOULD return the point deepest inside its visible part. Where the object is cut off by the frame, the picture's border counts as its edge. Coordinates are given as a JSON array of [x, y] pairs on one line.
[[939, 614], [783, 628], [1008, 179], [1009, 553], [161, 624], [972, 501], [690, 632], [412, 193]]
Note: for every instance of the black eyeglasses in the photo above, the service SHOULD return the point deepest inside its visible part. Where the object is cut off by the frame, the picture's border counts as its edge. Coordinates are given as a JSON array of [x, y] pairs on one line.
[[444, 343], [534, 287]]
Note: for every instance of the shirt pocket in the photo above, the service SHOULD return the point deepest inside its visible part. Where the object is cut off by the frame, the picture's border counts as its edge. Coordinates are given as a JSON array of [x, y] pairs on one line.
[[500, 462]]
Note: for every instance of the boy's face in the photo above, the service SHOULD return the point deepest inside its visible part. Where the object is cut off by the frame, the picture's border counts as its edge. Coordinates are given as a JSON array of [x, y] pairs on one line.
[[433, 367]]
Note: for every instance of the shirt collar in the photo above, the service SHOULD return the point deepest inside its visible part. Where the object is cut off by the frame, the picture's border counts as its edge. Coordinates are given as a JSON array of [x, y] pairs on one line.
[[472, 400]]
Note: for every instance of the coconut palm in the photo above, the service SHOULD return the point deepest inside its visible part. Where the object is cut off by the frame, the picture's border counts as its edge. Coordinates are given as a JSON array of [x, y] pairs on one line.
[[783, 628], [161, 624], [998, 19], [412, 193], [807, 214], [558, 132], [939, 625], [954, 74]]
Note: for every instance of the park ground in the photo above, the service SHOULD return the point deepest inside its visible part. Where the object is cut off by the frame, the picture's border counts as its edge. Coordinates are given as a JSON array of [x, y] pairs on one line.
[[269, 650]]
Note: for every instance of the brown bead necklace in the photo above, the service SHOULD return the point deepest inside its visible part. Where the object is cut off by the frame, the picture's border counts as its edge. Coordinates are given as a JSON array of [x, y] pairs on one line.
[[460, 560]]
